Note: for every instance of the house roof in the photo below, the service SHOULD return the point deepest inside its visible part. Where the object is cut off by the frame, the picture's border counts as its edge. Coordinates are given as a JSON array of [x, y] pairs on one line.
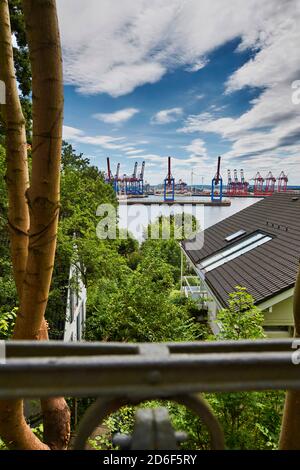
[[266, 270]]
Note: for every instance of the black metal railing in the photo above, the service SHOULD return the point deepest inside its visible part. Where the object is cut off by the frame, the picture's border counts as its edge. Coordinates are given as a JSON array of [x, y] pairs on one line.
[[119, 374]]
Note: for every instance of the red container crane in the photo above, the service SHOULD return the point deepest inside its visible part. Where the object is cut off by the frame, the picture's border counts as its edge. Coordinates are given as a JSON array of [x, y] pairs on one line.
[[270, 183], [282, 182], [258, 184]]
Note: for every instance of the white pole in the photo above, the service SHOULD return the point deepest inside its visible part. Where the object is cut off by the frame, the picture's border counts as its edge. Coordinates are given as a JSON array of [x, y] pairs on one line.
[[181, 270]]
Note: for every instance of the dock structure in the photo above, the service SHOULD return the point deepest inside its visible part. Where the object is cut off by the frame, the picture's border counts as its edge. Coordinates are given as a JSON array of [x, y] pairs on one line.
[[126, 185], [181, 202]]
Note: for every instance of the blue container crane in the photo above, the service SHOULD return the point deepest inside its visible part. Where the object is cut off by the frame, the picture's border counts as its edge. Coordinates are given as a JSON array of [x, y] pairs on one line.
[[217, 184], [117, 179], [141, 180], [169, 184]]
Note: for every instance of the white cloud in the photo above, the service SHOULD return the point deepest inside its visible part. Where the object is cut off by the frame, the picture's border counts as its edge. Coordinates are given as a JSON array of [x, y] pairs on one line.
[[198, 65], [181, 167], [73, 134], [197, 147], [117, 117], [134, 151], [113, 47], [268, 134], [165, 116]]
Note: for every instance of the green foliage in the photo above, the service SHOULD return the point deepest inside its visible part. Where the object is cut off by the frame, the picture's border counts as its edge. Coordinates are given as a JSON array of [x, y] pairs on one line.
[[38, 431], [138, 307], [3, 195], [22, 64], [21, 53], [133, 296], [82, 190], [176, 226], [7, 322], [3, 446], [251, 420], [7, 285], [119, 422], [135, 301], [242, 319], [166, 250]]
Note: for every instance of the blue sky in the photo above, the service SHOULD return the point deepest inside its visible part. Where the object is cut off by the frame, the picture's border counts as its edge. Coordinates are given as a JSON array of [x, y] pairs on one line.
[[177, 78]]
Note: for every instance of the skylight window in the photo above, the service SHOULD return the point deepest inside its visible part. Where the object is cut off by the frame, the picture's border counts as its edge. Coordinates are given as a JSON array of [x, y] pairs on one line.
[[236, 250], [235, 235]]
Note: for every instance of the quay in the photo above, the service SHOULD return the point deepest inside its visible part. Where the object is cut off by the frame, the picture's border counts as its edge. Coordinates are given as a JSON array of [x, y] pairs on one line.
[[182, 202]]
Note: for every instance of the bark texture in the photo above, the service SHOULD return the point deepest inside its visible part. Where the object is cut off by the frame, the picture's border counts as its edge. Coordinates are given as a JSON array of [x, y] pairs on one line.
[[43, 195], [290, 435], [17, 178], [14, 430], [33, 261], [56, 414], [56, 420]]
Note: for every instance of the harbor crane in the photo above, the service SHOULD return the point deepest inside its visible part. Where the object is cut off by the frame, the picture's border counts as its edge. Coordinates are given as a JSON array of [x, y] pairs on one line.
[[169, 184], [217, 184]]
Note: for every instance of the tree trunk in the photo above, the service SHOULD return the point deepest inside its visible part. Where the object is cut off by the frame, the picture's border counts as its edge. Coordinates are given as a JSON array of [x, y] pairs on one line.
[[56, 415], [43, 200], [14, 430], [13, 427], [56, 421], [290, 435], [43, 195], [17, 179]]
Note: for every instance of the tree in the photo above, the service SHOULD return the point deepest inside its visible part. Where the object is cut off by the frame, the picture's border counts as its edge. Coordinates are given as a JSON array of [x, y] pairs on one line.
[[138, 306], [21, 62], [42, 196], [17, 177], [241, 411], [137, 299], [83, 189], [168, 248], [242, 319], [7, 285], [238, 413], [289, 436]]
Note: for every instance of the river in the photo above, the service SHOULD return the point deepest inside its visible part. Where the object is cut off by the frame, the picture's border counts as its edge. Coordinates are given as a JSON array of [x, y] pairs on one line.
[[135, 218]]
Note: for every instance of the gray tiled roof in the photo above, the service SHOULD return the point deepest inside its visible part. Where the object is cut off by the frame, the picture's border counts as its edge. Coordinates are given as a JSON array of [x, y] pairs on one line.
[[266, 270]]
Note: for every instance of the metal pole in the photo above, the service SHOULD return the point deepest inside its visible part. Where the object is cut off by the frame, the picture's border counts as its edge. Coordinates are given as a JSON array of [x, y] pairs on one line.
[[181, 271]]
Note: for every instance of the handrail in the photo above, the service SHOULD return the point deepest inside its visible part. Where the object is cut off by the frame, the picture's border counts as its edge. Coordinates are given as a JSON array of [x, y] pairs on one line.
[[193, 290], [121, 374], [40, 369]]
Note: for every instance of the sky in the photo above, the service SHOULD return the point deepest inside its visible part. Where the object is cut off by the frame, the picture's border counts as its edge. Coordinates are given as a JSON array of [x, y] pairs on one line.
[[190, 79]]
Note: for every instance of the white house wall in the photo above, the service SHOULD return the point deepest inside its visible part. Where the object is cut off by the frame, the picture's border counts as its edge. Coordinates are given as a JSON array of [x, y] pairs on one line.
[[74, 324]]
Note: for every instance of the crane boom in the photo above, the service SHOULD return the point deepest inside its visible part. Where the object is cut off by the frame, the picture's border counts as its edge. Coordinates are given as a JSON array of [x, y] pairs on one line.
[[169, 170], [135, 170], [217, 177], [108, 169], [142, 171], [118, 171]]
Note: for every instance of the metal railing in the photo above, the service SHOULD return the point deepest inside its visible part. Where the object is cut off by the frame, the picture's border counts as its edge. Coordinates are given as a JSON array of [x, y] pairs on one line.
[[120, 374], [194, 291]]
